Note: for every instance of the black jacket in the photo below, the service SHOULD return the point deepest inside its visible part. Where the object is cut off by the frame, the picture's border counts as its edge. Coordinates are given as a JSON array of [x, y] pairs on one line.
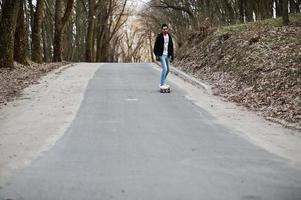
[[159, 46]]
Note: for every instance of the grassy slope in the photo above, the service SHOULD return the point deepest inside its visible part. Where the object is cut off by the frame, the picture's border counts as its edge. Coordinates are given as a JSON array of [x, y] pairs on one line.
[[257, 65]]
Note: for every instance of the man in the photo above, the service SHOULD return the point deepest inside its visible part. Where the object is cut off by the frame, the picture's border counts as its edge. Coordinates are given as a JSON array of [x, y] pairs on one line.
[[164, 53]]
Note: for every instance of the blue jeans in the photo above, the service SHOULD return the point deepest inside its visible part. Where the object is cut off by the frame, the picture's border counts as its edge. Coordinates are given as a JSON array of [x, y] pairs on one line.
[[165, 68]]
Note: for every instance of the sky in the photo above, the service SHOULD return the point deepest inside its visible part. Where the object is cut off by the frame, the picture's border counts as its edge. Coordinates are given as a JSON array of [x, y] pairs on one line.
[[139, 2]]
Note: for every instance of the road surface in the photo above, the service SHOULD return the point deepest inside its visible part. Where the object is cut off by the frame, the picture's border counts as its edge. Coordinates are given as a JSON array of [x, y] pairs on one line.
[[129, 142]]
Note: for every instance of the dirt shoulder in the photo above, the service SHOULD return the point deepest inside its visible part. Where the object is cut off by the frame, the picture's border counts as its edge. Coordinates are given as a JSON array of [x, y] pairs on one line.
[[33, 122], [13, 81], [270, 136]]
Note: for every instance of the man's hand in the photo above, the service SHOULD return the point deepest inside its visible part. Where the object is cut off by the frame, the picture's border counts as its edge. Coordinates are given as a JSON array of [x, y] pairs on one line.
[[157, 58]]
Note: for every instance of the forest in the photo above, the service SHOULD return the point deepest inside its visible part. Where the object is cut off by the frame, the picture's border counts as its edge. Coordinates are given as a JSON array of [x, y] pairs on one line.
[[56, 30], [115, 30], [188, 16]]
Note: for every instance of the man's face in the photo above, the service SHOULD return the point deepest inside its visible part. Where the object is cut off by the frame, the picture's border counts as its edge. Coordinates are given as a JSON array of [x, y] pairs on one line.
[[165, 30]]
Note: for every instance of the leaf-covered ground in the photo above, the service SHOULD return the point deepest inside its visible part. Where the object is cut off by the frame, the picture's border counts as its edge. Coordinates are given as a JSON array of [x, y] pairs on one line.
[[256, 65], [13, 81]]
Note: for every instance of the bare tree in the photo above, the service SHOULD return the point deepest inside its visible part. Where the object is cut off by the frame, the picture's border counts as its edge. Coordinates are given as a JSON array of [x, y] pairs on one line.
[[61, 18], [37, 33], [10, 11], [81, 13], [91, 30], [110, 20], [133, 42], [21, 39], [285, 13]]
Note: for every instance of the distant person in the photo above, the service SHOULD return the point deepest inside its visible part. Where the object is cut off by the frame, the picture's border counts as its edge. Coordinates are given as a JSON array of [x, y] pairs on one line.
[[163, 51]]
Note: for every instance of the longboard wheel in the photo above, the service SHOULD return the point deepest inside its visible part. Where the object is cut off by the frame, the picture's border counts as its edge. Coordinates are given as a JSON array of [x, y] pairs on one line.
[[165, 90]]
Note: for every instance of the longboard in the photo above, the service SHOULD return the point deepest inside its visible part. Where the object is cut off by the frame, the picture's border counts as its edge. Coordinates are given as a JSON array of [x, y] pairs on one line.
[[165, 90]]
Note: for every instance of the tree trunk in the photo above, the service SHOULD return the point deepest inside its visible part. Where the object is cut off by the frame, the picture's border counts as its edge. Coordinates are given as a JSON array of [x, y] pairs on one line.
[[58, 33], [242, 7], [230, 11], [21, 39], [102, 47], [90, 33], [249, 11], [294, 7], [285, 18], [151, 46], [68, 42], [78, 37], [298, 6], [94, 42], [61, 19], [8, 24], [266, 9], [31, 13], [31, 19], [49, 33], [279, 7], [37, 33], [45, 46], [100, 37]]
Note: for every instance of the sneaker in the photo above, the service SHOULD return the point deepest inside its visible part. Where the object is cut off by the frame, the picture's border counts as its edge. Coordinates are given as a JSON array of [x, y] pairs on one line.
[[163, 87]]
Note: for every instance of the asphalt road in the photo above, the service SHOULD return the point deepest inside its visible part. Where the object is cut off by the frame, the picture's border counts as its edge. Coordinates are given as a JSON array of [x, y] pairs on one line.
[[130, 142]]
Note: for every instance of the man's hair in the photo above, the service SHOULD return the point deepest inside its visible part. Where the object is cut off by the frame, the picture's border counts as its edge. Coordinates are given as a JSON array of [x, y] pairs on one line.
[[164, 25]]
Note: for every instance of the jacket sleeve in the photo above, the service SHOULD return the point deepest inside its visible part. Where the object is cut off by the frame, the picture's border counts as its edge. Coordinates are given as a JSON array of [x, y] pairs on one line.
[[156, 46], [171, 49]]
